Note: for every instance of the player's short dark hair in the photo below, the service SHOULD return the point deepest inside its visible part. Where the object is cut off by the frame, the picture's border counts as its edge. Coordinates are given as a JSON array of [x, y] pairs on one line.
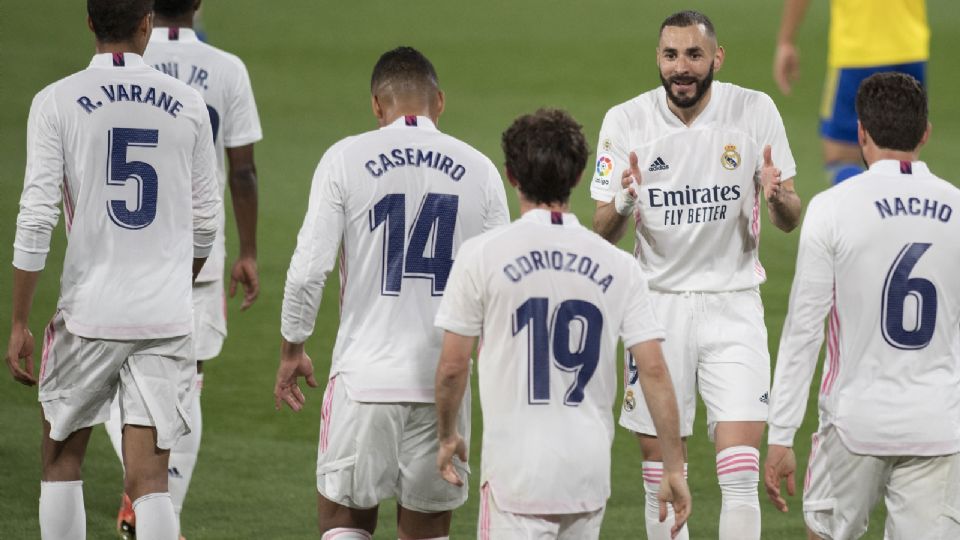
[[892, 107], [115, 21], [173, 8], [689, 18], [545, 153], [405, 68]]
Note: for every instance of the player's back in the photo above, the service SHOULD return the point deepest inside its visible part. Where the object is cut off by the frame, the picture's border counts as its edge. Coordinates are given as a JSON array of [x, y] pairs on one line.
[[556, 299], [223, 81], [128, 141], [410, 195], [892, 378]]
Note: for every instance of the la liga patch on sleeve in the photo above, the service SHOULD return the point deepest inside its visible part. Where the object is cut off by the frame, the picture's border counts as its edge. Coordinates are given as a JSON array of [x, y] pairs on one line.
[[603, 171]]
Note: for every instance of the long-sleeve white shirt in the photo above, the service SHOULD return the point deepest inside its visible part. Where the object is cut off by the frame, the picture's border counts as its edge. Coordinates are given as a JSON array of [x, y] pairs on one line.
[[128, 152], [879, 253], [397, 202]]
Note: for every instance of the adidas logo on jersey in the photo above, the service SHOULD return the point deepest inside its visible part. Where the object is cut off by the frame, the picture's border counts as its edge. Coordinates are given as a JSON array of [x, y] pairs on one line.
[[765, 398], [173, 472], [658, 165]]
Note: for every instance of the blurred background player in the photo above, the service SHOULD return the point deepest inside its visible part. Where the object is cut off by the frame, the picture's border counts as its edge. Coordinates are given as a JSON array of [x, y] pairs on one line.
[[398, 202], [223, 81], [879, 254], [707, 151], [865, 38], [128, 152], [548, 374]]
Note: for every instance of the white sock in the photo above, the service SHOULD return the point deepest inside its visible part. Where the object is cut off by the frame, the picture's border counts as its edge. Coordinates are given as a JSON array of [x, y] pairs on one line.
[[432, 538], [155, 517], [61, 511], [652, 474], [183, 455], [738, 472], [114, 429], [343, 533]]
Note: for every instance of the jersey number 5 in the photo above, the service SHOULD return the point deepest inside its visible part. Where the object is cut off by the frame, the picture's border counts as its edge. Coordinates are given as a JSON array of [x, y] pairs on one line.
[[119, 171], [908, 326], [432, 230], [572, 335]]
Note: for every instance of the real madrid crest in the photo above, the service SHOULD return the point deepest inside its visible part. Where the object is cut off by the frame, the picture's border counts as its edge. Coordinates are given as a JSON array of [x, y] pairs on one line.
[[629, 402], [730, 158]]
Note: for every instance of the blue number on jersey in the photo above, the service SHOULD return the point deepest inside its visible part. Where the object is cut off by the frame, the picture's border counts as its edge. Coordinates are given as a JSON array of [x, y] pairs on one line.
[[571, 318], [119, 171], [897, 288], [214, 122], [430, 251]]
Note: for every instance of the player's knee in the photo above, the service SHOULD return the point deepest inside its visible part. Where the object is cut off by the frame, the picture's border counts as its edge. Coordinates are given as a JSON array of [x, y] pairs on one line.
[[738, 473], [64, 469]]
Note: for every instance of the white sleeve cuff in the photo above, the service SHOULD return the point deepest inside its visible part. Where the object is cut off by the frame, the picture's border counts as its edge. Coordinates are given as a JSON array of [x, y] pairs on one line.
[[456, 327], [781, 436], [202, 252], [27, 261]]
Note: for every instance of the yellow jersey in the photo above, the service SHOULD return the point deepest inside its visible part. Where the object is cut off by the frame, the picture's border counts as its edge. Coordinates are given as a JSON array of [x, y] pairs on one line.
[[878, 32]]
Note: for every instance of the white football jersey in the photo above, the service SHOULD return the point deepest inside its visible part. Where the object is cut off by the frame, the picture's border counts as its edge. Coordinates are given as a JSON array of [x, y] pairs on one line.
[[222, 80], [698, 212], [128, 151], [551, 299], [399, 202], [879, 253]]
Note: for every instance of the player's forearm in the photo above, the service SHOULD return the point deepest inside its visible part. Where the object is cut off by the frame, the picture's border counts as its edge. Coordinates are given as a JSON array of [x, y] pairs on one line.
[[453, 375], [243, 191], [608, 223], [793, 13], [24, 287], [784, 210], [657, 387]]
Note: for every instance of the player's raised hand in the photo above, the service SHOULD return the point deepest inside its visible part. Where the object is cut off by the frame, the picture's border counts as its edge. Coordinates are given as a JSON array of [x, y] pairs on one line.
[[20, 349], [626, 198], [454, 446], [781, 463], [674, 490], [770, 175], [294, 363], [244, 272], [786, 66]]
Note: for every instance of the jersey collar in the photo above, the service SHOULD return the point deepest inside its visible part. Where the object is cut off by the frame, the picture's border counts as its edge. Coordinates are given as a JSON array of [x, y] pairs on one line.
[[705, 115], [120, 60], [893, 167], [412, 121], [546, 217], [173, 33]]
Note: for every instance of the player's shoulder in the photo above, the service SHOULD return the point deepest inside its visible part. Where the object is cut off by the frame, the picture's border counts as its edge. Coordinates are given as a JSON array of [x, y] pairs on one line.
[[225, 58], [636, 108], [740, 98]]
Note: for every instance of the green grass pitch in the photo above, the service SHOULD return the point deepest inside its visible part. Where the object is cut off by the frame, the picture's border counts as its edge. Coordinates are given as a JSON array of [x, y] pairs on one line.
[[310, 63]]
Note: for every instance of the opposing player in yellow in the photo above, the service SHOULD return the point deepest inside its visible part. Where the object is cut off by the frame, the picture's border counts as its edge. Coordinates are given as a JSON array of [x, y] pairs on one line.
[[866, 37]]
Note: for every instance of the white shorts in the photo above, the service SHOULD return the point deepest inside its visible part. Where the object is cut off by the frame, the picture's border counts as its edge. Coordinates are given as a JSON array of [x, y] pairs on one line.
[[496, 524], [716, 342], [209, 319], [922, 494], [370, 452], [79, 378]]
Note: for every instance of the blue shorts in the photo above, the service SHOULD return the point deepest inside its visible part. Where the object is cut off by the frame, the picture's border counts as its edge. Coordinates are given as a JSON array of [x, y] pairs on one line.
[[838, 115]]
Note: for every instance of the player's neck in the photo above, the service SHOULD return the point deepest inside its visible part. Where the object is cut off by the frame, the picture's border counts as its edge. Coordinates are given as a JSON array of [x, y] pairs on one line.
[[873, 154], [119, 47], [688, 114], [393, 114], [526, 206], [186, 21]]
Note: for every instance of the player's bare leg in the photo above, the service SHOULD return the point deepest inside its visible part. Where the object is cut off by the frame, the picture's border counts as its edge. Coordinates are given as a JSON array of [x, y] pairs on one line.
[[652, 472], [412, 525], [738, 472], [145, 481], [62, 514], [340, 522], [841, 160]]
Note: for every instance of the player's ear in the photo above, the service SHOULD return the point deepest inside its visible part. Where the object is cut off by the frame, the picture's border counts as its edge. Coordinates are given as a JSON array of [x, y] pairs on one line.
[[441, 102], [90, 25], [196, 5], [718, 58], [926, 135], [510, 178], [377, 109]]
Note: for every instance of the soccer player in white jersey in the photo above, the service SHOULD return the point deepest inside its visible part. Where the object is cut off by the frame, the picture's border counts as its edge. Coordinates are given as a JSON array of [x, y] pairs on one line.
[[223, 81], [128, 153], [398, 202], [707, 152], [551, 300], [879, 254]]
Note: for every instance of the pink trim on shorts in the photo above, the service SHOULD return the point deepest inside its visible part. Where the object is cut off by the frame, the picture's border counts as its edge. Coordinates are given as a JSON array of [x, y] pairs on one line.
[[813, 453], [833, 348], [48, 333], [485, 512], [326, 412]]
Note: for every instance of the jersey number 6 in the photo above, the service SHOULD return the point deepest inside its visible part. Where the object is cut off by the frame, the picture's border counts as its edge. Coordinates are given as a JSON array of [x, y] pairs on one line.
[[915, 330]]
